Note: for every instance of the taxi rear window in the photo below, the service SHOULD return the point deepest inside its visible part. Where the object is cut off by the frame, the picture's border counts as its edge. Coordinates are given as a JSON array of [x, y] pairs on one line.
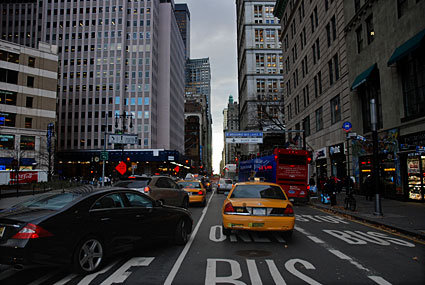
[[190, 184], [228, 181], [258, 191]]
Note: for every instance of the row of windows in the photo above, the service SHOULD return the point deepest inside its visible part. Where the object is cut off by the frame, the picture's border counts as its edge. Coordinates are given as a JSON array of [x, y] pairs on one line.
[[99, 74], [95, 143], [97, 115], [112, 35], [25, 142], [110, 87], [9, 120], [99, 22]]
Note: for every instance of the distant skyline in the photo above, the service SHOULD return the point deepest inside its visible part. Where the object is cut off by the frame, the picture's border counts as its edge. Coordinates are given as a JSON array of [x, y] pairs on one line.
[[213, 35]]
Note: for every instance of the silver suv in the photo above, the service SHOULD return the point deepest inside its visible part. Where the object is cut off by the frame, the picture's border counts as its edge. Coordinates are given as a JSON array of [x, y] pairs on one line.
[[160, 188], [224, 185]]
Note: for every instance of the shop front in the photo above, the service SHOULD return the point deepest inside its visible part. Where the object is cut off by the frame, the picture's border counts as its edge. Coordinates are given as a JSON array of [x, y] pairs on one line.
[[320, 160], [338, 160], [412, 159]]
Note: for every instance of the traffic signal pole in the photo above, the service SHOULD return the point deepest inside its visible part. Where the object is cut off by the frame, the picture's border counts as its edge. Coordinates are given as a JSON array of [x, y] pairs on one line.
[[104, 149]]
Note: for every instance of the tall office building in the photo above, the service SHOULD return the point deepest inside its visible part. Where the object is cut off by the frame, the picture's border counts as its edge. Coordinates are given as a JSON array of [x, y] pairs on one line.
[[260, 66], [316, 83], [28, 83], [121, 69], [198, 82], [183, 21], [231, 122]]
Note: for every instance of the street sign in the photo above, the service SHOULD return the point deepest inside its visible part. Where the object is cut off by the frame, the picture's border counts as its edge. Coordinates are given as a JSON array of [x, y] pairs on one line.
[[347, 126], [244, 137], [104, 155], [121, 167], [123, 139]]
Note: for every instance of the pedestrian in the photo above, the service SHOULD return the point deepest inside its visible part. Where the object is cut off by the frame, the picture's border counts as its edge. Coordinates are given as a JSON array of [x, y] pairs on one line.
[[369, 187], [330, 190]]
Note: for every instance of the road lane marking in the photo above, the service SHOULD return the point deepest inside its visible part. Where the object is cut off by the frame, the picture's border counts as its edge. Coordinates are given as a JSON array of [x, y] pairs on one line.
[[346, 257], [185, 250], [277, 277], [253, 272], [89, 278], [122, 273], [379, 280], [315, 239], [290, 266]]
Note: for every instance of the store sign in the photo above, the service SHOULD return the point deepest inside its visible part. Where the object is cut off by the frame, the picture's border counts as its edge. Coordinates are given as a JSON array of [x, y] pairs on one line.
[[24, 177], [336, 149], [319, 154]]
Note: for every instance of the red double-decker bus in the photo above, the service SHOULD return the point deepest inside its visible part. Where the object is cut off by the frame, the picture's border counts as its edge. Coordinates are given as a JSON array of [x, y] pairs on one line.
[[286, 167]]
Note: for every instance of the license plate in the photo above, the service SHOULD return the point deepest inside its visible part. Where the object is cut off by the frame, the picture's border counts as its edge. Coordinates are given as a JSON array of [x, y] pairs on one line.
[[291, 192], [2, 231], [256, 225], [259, 211]]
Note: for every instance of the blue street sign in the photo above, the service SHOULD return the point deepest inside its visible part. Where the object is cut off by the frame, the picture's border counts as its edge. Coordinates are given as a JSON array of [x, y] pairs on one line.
[[347, 126]]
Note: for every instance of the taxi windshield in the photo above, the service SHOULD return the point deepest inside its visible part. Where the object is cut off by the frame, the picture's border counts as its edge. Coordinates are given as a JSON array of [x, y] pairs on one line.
[[258, 191], [190, 184]]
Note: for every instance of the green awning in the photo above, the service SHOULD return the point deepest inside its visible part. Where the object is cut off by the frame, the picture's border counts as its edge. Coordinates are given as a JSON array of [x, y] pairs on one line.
[[362, 78], [407, 47]]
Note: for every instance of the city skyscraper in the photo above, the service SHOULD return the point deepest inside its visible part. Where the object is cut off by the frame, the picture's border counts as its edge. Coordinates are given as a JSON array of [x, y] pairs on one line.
[[260, 69], [183, 21]]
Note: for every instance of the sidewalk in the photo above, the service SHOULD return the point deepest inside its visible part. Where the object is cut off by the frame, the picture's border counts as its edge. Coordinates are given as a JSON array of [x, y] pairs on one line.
[[405, 217]]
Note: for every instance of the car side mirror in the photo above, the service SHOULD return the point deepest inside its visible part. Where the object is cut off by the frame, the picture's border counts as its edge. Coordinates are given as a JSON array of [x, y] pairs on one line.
[[159, 203]]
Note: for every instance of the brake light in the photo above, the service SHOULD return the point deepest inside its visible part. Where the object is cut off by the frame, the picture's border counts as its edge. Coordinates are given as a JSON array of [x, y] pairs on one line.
[[218, 185], [229, 208], [146, 189], [31, 231], [201, 192], [289, 210], [308, 187], [132, 177]]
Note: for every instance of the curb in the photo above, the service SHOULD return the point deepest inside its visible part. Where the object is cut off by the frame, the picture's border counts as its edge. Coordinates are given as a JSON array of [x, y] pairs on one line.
[[408, 232]]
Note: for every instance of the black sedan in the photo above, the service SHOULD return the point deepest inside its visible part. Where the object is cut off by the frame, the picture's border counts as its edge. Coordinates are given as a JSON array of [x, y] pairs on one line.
[[80, 227]]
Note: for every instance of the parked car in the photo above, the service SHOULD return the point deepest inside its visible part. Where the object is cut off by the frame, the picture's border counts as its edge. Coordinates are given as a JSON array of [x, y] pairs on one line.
[[161, 188], [196, 191], [224, 185], [258, 206], [81, 227]]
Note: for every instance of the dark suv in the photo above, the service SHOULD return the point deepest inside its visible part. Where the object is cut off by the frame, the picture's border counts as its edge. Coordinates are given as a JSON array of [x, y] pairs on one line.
[[161, 188]]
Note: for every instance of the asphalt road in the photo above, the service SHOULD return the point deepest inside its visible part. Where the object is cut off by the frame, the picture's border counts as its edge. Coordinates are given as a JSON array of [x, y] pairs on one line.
[[324, 249]]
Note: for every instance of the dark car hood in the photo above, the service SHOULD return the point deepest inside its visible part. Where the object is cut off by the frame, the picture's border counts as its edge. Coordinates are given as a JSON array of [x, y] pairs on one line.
[[25, 214]]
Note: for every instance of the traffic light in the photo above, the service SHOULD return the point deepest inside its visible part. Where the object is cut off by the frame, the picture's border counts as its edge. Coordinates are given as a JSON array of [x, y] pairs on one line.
[[128, 159]]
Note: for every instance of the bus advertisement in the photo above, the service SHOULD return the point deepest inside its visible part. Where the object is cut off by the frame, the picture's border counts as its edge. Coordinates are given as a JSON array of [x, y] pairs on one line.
[[286, 167]]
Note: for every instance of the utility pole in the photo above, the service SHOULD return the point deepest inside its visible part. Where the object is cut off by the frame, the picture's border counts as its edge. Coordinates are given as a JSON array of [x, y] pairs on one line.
[[104, 150], [374, 122]]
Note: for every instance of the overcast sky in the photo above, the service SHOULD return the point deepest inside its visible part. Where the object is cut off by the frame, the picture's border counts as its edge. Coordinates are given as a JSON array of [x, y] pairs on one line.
[[213, 35]]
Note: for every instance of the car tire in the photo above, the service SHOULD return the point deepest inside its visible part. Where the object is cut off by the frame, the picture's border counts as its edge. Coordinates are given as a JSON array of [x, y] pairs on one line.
[[226, 232], [185, 203], [181, 234], [88, 255]]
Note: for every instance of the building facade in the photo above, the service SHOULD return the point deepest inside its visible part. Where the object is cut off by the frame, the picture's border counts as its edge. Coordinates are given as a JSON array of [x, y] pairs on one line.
[[198, 83], [183, 21], [317, 97], [385, 54], [260, 69], [28, 92], [232, 124]]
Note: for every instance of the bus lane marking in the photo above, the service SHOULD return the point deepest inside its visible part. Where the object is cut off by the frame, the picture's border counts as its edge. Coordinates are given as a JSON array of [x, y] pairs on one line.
[[122, 273], [343, 256], [185, 250]]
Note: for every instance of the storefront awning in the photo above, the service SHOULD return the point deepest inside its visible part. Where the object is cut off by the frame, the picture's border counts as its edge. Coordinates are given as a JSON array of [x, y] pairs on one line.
[[27, 161], [6, 160], [362, 78], [407, 47]]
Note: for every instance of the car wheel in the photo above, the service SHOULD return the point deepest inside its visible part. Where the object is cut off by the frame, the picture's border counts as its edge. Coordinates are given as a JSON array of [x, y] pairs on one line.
[[185, 204], [226, 232], [88, 255], [181, 235]]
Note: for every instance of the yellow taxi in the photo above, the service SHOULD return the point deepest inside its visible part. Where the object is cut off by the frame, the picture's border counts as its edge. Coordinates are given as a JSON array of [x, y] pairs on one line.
[[196, 191], [258, 206]]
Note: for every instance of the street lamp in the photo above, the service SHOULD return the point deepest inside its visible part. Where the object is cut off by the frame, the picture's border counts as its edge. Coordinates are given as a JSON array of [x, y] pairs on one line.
[[374, 122], [124, 117]]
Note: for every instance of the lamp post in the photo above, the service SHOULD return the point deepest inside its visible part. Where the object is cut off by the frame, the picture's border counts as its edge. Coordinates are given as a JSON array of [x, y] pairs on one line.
[[374, 122], [124, 117]]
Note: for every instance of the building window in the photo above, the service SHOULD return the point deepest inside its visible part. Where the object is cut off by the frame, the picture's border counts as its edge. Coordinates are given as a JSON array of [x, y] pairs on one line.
[[370, 30], [401, 7], [28, 123], [330, 70], [359, 35], [30, 81], [8, 97], [370, 89], [413, 78], [306, 126], [319, 119], [31, 61], [335, 110], [29, 102], [27, 143], [7, 141]]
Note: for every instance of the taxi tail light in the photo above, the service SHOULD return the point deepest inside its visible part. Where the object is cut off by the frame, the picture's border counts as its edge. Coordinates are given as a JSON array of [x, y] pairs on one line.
[[218, 185], [289, 210], [200, 192], [229, 208], [308, 187], [146, 189], [31, 231]]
